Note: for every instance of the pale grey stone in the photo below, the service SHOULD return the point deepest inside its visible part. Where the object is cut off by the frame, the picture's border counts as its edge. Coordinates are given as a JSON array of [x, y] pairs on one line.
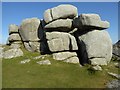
[[117, 76], [32, 46], [25, 61], [59, 25], [117, 65], [48, 16], [37, 57], [15, 46], [40, 57], [62, 11], [16, 42], [98, 61], [74, 60], [29, 29], [114, 84], [90, 21], [14, 37], [44, 62], [97, 68], [60, 41], [12, 53], [98, 46], [63, 55], [13, 28]]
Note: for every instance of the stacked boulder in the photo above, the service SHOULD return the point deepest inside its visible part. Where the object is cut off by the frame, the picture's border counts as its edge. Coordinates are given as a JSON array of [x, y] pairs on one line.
[[58, 24], [29, 33], [67, 36], [95, 45], [15, 42], [84, 35], [14, 37]]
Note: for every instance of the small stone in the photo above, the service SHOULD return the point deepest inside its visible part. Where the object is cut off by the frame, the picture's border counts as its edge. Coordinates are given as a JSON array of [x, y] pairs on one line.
[[38, 57], [117, 65], [97, 68], [44, 62], [25, 61]]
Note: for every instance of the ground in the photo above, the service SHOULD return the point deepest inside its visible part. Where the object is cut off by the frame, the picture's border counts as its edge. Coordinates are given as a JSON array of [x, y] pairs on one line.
[[57, 75]]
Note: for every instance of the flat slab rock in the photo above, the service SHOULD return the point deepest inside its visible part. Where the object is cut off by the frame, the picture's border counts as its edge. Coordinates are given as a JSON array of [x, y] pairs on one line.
[[90, 21], [64, 25], [12, 53], [62, 11], [14, 37], [44, 62], [63, 55]]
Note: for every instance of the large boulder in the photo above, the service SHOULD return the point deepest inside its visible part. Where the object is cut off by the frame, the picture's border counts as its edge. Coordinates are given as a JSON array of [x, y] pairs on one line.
[[13, 28], [60, 41], [14, 37], [29, 29], [62, 11], [12, 53], [96, 46], [59, 25], [89, 22]]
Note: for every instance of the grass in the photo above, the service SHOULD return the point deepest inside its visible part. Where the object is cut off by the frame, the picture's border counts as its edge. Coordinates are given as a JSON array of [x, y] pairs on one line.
[[57, 75]]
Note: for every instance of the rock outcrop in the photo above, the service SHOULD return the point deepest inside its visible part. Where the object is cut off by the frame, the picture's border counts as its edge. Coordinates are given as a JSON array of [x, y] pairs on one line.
[[14, 36], [68, 36], [116, 50]]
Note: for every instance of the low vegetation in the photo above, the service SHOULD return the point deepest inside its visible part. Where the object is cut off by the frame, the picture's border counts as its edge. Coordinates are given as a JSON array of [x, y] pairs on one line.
[[57, 75]]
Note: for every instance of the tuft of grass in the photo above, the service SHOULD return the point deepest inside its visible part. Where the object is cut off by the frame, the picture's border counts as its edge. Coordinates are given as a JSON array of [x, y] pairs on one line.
[[57, 75]]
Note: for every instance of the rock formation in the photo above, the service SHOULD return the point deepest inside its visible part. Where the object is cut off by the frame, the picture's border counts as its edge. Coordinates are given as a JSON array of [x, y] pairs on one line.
[[68, 36], [116, 50]]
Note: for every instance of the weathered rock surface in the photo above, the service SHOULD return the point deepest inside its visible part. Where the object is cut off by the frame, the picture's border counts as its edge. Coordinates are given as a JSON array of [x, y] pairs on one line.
[[96, 46], [59, 41], [114, 84], [61, 11], [74, 60], [63, 55], [117, 76], [116, 50], [44, 62], [12, 53], [29, 29], [14, 37], [32, 46], [64, 25], [90, 21], [15, 46], [13, 28]]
